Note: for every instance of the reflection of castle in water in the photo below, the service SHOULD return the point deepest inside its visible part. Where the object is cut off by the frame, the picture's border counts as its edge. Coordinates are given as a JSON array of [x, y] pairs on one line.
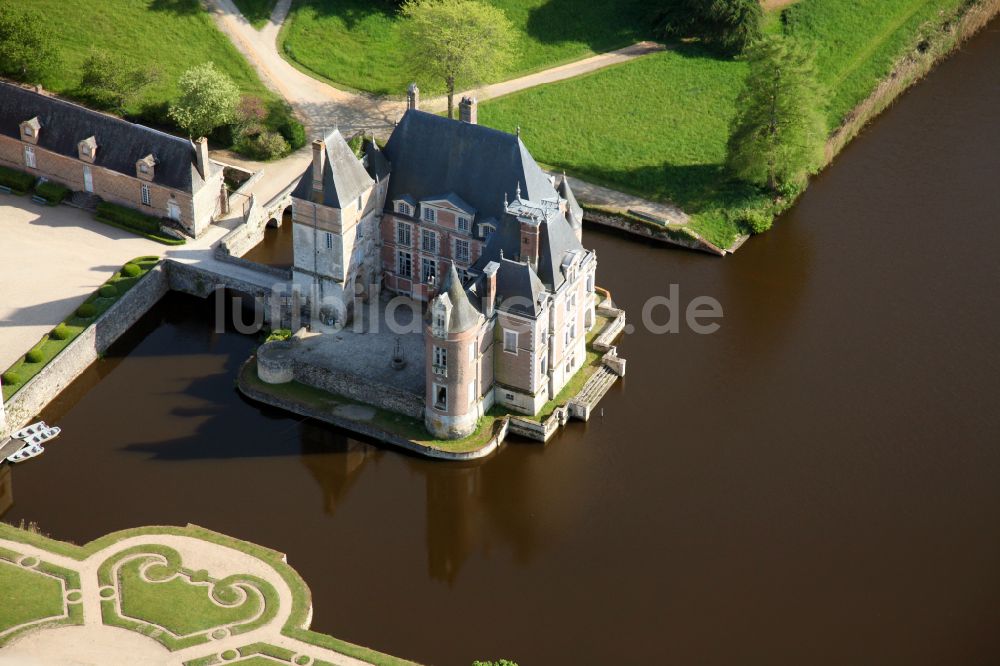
[[334, 460], [469, 507], [6, 489]]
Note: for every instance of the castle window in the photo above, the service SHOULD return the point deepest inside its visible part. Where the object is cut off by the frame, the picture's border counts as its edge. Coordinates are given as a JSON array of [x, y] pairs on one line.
[[428, 241], [404, 264], [510, 341], [29, 156], [429, 214], [487, 230], [402, 208], [463, 224], [440, 361], [429, 270], [545, 365], [590, 283], [440, 397], [403, 232], [359, 203], [462, 251], [329, 241], [144, 192], [439, 321], [472, 393]]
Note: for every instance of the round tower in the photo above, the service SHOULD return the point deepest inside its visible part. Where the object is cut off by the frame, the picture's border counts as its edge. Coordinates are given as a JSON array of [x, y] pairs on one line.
[[453, 400]]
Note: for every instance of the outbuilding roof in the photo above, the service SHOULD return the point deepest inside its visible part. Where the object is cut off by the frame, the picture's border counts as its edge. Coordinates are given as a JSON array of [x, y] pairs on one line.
[[120, 144], [344, 177]]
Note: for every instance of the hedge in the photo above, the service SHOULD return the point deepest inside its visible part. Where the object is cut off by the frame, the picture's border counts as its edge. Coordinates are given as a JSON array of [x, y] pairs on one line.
[[127, 217], [107, 291], [61, 331], [52, 192], [16, 180], [87, 310], [34, 356], [131, 270]]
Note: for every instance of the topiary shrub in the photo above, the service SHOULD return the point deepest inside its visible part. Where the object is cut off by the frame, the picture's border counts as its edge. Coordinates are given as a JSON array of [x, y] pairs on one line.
[[51, 192], [87, 310], [127, 217], [18, 181], [10, 378], [34, 356], [108, 291], [61, 332], [131, 270]]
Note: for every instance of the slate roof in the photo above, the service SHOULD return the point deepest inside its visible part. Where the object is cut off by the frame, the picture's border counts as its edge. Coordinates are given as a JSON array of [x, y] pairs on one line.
[[518, 288], [556, 239], [454, 200], [120, 144], [431, 154], [376, 163], [573, 207], [344, 177], [463, 314]]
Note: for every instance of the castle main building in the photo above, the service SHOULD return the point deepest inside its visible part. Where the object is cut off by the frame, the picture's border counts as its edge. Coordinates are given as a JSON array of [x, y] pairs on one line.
[[460, 217]]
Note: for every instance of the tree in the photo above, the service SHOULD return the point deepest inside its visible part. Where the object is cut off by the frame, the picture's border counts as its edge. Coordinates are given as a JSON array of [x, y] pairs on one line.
[[777, 135], [458, 41], [729, 26], [114, 82], [208, 100], [26, 51]]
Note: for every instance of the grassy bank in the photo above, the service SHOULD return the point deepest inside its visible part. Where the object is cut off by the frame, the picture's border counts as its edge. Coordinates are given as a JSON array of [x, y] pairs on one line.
[[29, 365], [658, 126], [357, 44], [170, 35]]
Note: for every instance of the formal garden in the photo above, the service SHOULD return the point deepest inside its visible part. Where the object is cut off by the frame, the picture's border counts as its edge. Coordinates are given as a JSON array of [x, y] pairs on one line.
[[248, 608]]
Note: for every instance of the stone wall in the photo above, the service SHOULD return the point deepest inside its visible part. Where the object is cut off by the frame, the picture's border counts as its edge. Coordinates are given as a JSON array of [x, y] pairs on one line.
[[681, 237], [86, 348], [360, 389]]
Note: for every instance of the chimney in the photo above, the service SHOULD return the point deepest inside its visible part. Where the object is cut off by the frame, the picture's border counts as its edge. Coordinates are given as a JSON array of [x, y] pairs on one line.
[[201, 148], [530, 229], [468, 110], [413, 97], [319, 161], [490, 295]]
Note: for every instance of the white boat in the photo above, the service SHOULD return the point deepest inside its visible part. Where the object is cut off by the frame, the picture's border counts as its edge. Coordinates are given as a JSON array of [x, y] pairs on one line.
[[40, 438], [33, 429], [26, 453]]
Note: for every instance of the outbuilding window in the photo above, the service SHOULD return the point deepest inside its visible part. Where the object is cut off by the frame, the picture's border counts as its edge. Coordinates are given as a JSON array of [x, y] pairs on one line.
[[144, 193], [29, 157]]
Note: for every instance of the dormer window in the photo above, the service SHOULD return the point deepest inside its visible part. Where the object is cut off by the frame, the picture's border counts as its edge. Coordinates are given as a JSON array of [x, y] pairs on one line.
[[143, 168], [87, 149], [402, 208], [486, 230], [429, 214], [29, 130]]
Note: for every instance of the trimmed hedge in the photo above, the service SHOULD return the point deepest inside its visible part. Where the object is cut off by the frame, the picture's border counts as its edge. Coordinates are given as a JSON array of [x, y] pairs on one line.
[[61, 331], [16, 180], [127, 217], [9, 378], [108, 291], [131, 270], [34, 356], [86, 311], [52, 192]]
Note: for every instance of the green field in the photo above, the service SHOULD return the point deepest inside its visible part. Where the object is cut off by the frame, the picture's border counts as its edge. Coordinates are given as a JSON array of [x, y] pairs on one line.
[[27, 595], [172, 35], [356, 44], [658, 126]]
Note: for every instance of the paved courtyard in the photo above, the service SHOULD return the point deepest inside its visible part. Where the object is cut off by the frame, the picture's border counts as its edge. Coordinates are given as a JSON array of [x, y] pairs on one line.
[[51, 259]]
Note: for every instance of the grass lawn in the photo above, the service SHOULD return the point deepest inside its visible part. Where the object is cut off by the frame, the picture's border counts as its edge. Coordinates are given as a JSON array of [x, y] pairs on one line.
[[173, 35], [256, 11], [356, 44], [658, 126], [27, 596], [23, 370], [176, 604]]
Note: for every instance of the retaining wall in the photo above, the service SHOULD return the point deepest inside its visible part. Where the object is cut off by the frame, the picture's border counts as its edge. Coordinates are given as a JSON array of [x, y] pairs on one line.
[[86, 348], [687, 238], [360, 389]]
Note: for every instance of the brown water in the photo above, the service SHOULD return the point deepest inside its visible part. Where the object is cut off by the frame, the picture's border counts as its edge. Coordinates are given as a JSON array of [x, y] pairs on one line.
[[817, 483], [276, 249]]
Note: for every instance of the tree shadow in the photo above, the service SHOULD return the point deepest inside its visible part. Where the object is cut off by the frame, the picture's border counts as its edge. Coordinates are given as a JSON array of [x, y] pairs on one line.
[[178, 7], [602, 26]]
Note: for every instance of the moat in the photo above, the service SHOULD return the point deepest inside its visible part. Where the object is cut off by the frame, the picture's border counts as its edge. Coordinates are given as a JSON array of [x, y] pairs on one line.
[[815, 483]]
